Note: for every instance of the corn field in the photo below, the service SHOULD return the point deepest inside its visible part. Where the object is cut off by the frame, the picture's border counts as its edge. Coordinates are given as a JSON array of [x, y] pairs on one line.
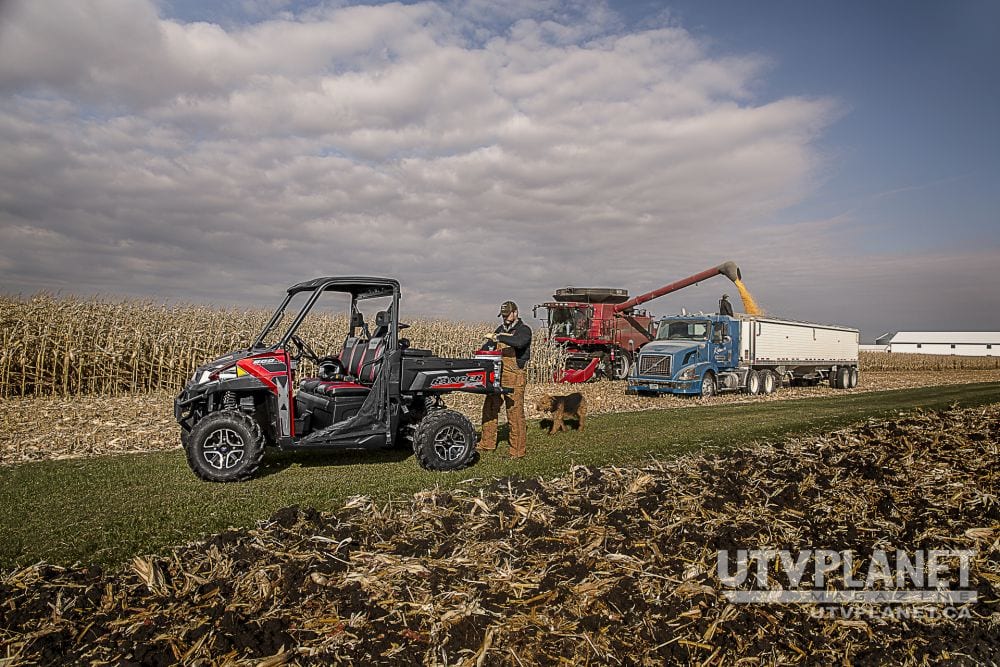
[[887, 361], [61, 346]]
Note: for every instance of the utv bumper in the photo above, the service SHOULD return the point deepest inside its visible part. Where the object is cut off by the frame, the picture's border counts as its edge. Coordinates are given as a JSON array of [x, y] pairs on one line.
[[183, 403]]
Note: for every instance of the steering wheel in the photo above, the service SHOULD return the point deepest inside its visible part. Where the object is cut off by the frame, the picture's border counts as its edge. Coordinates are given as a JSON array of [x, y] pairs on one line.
[[304, 349], [330, 368]]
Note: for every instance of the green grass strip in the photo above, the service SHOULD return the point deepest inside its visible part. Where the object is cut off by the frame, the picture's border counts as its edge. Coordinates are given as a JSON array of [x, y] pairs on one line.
[[106, 510]]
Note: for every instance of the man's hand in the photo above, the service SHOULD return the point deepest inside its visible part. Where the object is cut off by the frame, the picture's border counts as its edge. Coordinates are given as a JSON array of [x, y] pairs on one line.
[[492, 337]]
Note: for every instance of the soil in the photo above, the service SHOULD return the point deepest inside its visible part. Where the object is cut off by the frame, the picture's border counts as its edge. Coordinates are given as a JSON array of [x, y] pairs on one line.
[[601, 566]]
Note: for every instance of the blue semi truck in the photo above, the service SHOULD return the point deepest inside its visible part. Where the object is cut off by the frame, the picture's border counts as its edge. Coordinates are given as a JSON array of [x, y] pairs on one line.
[[705, 354]]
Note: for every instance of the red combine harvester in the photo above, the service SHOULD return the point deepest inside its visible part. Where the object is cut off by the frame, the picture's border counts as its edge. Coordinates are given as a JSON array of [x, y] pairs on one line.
[[602, 330]]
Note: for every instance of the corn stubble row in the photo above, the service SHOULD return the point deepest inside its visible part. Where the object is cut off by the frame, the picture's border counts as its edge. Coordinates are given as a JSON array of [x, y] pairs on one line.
[[67, 346], [609, 566]]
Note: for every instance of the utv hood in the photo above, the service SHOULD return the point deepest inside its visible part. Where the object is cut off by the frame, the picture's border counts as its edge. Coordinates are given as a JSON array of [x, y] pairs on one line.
[[220, 363]]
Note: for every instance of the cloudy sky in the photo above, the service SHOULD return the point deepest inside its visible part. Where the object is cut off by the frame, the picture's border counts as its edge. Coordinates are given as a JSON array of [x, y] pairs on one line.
[[844, 154]]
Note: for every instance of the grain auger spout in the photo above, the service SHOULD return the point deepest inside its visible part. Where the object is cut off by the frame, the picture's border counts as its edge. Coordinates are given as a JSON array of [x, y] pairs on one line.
[[727, 269]]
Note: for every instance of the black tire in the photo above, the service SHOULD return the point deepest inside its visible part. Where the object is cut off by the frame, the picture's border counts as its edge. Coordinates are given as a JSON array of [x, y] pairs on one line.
[[768, 382], [753, 383], [225, 446], [621, 366], [445, 440], [843, 377], [854, 378], [708, 386]]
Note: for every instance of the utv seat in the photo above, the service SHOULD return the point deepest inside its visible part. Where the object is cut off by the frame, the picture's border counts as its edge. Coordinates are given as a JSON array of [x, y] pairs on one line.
[[333, 388], [361, 360], [365, 358]]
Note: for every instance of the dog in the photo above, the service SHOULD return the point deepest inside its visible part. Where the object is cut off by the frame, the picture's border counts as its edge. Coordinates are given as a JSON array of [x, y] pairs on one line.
[[570, 406]]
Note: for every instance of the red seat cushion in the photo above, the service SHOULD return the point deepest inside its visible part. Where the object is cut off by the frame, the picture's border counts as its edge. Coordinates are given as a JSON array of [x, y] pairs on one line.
[[334, 388]]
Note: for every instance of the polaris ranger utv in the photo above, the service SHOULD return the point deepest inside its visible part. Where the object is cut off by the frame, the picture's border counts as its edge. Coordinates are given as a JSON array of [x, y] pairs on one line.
[[376, 392]]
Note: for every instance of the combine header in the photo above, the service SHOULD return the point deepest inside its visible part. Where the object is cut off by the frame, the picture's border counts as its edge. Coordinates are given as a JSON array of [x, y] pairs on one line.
[[602, 329]]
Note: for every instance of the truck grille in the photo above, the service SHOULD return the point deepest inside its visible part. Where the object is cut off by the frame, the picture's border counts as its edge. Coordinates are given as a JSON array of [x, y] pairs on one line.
[[654, 364]]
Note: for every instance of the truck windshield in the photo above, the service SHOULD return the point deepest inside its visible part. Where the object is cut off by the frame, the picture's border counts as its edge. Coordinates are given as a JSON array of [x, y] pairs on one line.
[[683, 330], [569, 322]]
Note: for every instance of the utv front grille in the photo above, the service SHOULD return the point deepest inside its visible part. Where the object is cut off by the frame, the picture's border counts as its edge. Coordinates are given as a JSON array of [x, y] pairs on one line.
[[654, 364]]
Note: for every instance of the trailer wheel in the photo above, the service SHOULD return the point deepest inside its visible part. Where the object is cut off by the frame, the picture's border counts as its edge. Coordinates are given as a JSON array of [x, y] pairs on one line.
[[854, 378], [708, 385], [445, 440], [226, 446], [768, 383], [842, 378], [753, 383]]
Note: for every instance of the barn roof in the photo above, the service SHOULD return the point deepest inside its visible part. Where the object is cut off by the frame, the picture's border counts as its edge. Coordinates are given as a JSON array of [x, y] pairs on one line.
[[945, 337]]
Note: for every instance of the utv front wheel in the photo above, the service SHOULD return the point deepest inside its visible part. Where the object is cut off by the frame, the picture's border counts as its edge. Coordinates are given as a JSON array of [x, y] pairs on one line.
[[445, 440], [226, 446]]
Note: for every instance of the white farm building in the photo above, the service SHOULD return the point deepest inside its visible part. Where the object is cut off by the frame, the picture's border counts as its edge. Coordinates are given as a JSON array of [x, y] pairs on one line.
[[965, 343]]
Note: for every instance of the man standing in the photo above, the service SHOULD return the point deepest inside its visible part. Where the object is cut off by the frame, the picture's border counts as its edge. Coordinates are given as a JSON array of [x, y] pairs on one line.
[[513, 338], [725, 308]]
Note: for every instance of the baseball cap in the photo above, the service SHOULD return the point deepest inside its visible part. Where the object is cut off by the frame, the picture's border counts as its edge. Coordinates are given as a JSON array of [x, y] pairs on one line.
[[506, 308]]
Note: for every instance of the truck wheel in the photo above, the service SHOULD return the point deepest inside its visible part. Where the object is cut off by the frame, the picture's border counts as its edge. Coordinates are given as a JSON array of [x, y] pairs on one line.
[[621, 365], [445, 440], [226, 446], [768, 383], [843, 377], [854, 378], [753, 383], [708, 385]]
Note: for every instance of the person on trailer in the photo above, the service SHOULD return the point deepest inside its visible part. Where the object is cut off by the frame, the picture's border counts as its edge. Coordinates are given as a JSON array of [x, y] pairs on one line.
[[725, 308], [513, 339]]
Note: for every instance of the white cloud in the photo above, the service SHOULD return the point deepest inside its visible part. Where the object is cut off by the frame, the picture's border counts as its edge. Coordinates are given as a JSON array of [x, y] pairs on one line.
[[476, 150]]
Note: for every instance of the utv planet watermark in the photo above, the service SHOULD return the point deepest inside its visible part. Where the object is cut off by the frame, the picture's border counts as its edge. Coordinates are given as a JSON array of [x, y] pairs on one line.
[[826, 577]]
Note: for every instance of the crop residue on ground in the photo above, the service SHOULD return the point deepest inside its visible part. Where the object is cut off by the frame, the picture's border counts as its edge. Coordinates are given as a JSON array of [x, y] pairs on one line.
[[608, 566]]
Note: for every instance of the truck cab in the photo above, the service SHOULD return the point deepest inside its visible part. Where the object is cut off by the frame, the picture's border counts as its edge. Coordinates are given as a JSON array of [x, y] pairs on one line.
[[691, 354], [704, 354]]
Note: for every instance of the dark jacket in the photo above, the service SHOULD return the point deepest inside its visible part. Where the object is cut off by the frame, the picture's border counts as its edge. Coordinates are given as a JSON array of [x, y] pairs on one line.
[[517, 336], [725, 308]]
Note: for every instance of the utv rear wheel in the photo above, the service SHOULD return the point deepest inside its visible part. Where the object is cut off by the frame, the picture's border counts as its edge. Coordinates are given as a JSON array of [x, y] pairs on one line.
[[226, 446], [445, 440]]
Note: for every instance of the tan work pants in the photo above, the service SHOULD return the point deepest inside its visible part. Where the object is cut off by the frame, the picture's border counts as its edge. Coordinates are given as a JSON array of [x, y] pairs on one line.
[[516, 379]]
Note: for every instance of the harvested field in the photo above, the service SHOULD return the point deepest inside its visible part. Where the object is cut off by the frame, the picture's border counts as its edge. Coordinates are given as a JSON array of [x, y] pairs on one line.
[[602, 566], [36, 429]]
